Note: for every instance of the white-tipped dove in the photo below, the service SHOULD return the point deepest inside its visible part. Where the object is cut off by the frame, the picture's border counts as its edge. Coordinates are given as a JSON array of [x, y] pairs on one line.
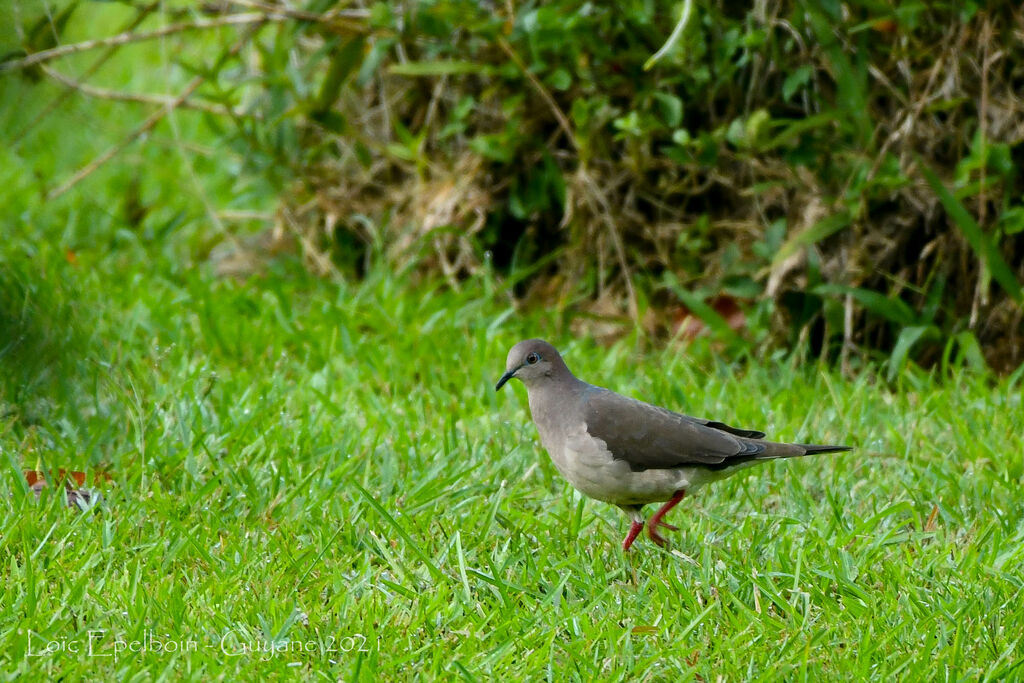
[[627, 452]]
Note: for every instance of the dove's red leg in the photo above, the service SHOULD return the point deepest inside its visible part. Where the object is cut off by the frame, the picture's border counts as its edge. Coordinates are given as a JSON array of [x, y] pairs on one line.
[[655, 521], [634, 531], [634, 512]]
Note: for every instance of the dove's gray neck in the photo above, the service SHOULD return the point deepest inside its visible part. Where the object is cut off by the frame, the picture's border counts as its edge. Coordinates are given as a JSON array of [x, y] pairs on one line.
[[555, 403]]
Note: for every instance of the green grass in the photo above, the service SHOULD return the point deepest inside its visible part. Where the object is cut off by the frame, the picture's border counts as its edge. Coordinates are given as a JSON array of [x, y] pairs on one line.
[[298, 460], [322, 462]]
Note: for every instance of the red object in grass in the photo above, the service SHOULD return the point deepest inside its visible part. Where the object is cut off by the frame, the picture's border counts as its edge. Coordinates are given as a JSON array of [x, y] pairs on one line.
[[689, 326], [78, 497], [33, 476], [885, 25]]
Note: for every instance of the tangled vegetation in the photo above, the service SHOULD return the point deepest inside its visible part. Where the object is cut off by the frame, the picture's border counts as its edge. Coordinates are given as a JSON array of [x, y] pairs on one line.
[[843, 175]]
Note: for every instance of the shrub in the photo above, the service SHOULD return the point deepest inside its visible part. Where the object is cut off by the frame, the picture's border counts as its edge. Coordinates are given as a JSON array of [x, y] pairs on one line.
[[847, 173]]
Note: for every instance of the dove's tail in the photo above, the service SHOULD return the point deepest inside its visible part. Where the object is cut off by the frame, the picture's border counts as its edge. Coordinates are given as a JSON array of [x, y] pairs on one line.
[[812, 449]]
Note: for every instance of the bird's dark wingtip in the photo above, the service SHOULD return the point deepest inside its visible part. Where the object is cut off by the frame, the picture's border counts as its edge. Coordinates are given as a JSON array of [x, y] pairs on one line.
[[747, 433], [813, 448]]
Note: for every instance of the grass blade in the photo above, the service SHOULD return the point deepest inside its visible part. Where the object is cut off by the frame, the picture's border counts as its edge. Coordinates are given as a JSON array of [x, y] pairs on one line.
[[440, 68], [909, 336], [980, 243], [375, 504], [892, 309], [812, 235]]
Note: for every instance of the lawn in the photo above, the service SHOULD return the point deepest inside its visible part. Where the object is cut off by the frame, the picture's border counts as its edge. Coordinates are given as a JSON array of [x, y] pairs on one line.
[[313, 477], [321, 469]]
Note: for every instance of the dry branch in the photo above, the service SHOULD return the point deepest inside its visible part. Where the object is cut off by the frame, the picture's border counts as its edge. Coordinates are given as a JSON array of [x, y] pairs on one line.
[[141, 98], [336, 21]]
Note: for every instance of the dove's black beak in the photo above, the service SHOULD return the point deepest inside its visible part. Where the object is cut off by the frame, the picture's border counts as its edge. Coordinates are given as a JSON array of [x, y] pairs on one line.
[[504, 378]]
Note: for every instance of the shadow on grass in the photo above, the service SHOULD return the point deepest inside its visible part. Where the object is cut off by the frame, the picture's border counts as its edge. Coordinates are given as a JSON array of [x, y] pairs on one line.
[[42, 348]]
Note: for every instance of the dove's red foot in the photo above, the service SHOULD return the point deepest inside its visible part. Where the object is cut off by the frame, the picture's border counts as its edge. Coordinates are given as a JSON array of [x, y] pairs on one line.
[[634, 531], [655, 521]]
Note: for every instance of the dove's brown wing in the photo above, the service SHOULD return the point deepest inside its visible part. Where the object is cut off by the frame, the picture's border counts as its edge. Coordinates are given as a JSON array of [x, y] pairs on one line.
[[649, 437]]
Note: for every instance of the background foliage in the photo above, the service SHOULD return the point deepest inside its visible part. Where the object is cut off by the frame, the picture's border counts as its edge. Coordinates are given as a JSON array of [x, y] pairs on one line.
[[846, 172]]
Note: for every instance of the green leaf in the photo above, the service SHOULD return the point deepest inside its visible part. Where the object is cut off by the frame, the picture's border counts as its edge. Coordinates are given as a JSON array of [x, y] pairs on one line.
[[795, 81], [1012, 220], [677, 33], [742, 286], [791, 129], [980, 243], [629, 124], [342, 66], [812, 235], [736, 134], [495, 146], [439, 68], [909, 336], [891, 308], [756, 126], [970, 351], [400, 152], [560, 79], [670, 107], [681, 137], [933, 300], [331, 120]]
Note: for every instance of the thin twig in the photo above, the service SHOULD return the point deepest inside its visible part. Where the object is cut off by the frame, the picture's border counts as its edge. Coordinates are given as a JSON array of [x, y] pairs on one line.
[[604, 213], [563, 121], [318, 258], [981, 286], [907, 127], [435, 98], [141, 98], [317, 17], [848, 345], [151, 121], [127, 37], [242, 215]]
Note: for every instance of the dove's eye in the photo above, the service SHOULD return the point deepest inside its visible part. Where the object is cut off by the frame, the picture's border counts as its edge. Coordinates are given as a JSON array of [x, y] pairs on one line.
[[533, 359]]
